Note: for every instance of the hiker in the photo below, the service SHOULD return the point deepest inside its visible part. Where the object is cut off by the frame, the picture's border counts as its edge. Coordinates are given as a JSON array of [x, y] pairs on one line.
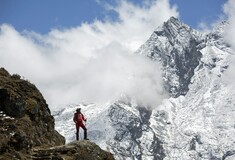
[[78, 119]]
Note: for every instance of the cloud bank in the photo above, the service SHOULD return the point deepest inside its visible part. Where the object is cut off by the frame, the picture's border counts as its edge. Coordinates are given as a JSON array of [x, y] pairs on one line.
[[229, 10], [93, 62]]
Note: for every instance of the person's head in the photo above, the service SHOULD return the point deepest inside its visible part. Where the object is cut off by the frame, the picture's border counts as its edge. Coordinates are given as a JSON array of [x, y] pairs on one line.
[[78, 109]]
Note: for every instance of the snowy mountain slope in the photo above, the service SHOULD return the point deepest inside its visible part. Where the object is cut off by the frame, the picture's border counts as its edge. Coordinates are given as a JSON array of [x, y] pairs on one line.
[[197, 122], [175, 45], [203, 120], [120, 128]]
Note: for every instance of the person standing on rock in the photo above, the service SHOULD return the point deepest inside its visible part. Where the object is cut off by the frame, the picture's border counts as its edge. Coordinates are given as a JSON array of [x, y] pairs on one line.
[[78, 119]]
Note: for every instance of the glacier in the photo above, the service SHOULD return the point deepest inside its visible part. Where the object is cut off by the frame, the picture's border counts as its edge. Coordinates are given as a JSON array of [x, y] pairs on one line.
[[197, 121]]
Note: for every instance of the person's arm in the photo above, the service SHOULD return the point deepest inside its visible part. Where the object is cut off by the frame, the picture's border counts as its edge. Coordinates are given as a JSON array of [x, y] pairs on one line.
[[83, 118], [74, 118]]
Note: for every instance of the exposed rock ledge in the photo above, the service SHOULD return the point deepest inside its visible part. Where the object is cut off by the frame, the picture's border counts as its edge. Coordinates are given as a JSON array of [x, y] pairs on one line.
[[27, 129], [80, 150]]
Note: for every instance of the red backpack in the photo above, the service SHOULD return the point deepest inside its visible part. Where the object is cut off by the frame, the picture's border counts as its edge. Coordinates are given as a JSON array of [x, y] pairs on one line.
[[79, 117]]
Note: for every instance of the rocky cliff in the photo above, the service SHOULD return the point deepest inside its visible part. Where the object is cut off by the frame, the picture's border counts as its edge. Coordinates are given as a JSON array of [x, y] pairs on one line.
[[26, 124]]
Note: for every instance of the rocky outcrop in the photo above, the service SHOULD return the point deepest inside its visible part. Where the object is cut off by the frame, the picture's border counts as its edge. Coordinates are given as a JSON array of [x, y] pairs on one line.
[[25, 119], [26, 123], [80, 150]]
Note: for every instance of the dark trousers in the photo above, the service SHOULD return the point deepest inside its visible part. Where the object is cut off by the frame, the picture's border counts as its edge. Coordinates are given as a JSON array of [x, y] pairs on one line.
[[85, 131]]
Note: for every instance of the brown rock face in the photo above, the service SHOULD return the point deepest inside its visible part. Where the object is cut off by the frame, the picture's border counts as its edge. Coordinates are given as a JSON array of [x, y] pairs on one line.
[[27, 126], [25, 119]]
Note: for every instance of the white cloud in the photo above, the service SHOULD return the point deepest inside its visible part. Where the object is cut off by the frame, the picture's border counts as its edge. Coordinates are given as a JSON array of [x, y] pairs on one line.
[[91, 62], [229, 10]]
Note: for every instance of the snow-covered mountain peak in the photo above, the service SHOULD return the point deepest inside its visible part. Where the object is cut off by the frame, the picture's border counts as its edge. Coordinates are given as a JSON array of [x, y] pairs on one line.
[[175, 45], [176, 32], [196, 123], [172, 24]]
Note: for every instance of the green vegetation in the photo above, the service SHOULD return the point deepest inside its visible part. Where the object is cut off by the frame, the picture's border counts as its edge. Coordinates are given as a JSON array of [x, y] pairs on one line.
[[31, 105]]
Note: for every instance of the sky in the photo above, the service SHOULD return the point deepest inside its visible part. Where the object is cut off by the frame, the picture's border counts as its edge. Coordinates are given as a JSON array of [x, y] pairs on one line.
[[43, 15], [82, 51]]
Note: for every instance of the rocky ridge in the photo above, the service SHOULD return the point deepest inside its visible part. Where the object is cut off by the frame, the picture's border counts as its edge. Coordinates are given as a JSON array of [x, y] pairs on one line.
[[79, 150], [27, 127]]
